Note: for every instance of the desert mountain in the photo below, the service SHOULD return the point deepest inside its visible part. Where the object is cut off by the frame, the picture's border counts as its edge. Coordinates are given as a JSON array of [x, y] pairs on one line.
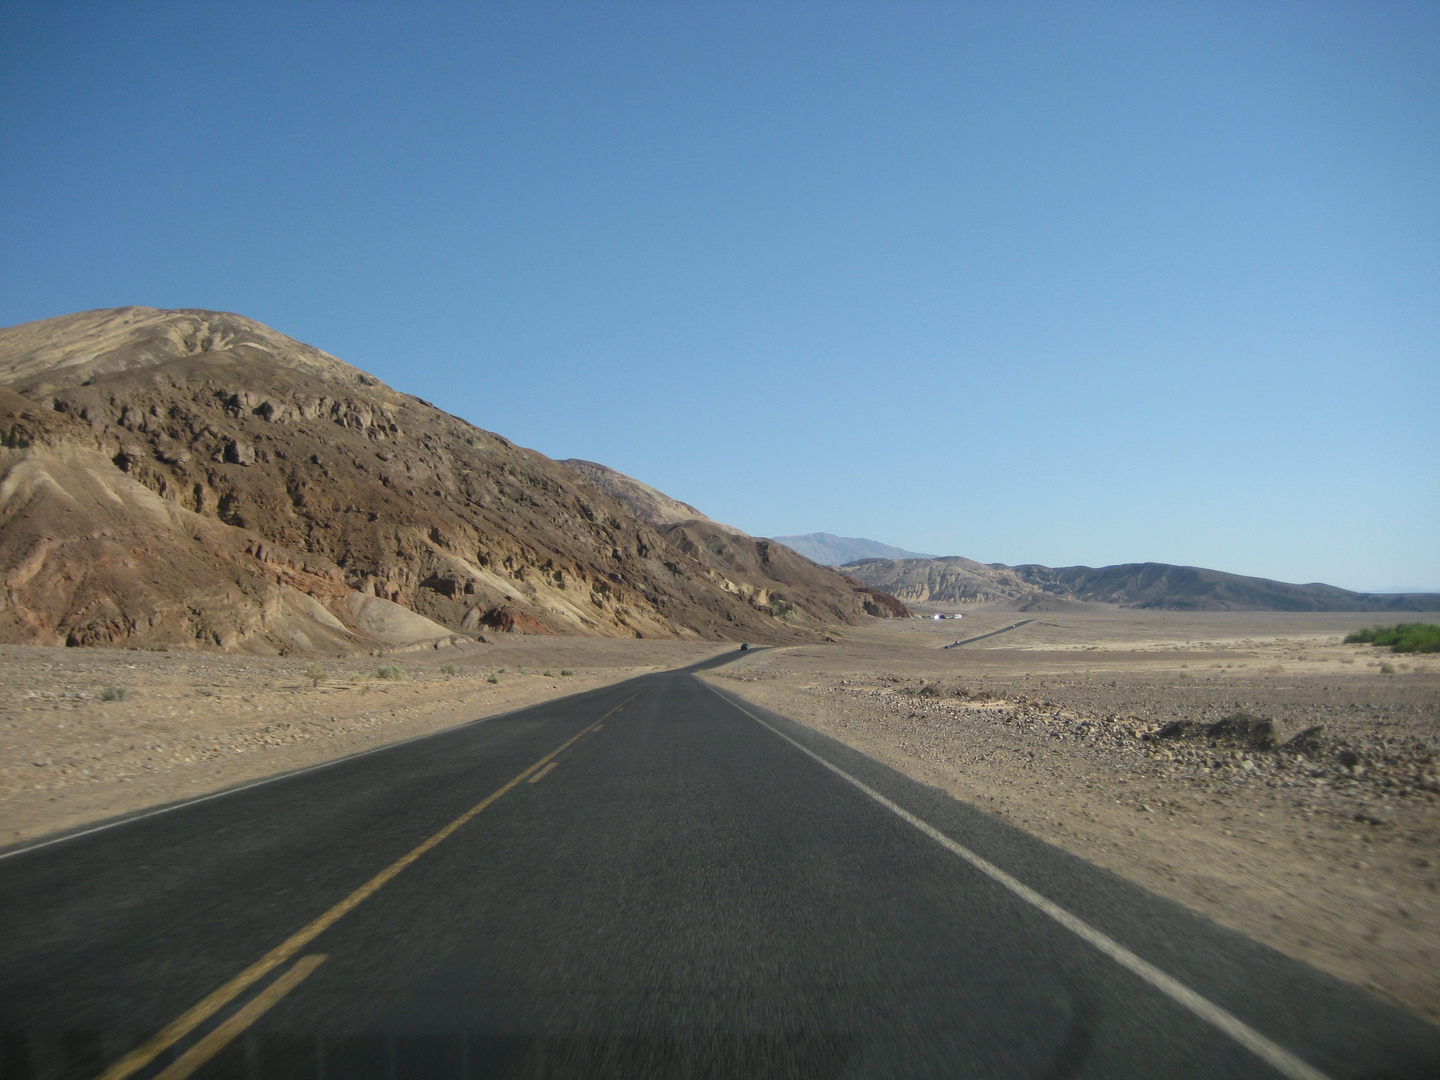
[[955, 580], [653, 507], [827, 549], [763, 571], [173, 478]]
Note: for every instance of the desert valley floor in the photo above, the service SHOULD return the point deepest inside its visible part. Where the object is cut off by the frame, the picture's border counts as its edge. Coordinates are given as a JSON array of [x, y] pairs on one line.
[[1137, 740]]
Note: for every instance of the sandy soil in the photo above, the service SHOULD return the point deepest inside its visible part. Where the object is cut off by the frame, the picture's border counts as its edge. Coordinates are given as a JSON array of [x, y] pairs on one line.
[[195, 722], [1324, 844]]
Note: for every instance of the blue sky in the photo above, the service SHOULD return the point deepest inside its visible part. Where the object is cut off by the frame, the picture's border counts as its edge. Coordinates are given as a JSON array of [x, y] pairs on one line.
[[1051, 282]]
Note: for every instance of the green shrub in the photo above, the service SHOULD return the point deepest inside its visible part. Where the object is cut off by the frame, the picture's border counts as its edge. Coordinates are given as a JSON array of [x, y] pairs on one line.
[[549, 674], [492, 678], [1406, 637], [389, 671], [448, 669], [566, 671], [115, 693], [315, 673]]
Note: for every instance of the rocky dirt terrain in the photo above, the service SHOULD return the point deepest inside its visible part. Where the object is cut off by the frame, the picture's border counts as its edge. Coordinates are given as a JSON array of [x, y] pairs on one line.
[[1247, 765], [195, 479], [87, 734]]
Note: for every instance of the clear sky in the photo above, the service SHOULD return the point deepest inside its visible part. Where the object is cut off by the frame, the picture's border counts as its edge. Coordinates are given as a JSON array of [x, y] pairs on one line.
[[1027, 282]]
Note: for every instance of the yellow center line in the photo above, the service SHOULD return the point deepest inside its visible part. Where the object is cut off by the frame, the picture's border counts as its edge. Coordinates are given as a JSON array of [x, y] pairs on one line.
[[222, 1036], [178, 1028], [540, 775]]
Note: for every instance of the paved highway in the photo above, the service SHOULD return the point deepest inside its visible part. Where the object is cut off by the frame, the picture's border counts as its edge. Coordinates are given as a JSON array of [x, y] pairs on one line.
[[644, 880]]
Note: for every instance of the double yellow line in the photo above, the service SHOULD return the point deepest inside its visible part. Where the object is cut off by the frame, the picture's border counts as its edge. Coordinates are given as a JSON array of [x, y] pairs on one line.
[[213, 1043]]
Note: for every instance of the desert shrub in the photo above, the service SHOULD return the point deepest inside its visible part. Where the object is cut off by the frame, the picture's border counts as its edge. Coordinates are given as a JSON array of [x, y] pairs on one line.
[[1387, 668], [549, 674], [448, 669], [115, 693], [1405, 637], [315, 673], [566, 671], [492, 678], [389, 671]]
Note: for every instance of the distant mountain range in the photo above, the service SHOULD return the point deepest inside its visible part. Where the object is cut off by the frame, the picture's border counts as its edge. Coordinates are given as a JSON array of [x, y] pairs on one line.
[[955, 581], [827, 549]]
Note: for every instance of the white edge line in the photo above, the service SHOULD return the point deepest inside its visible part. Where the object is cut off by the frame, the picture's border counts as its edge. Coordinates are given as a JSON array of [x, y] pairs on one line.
[[273, 777], [1284, 1062]]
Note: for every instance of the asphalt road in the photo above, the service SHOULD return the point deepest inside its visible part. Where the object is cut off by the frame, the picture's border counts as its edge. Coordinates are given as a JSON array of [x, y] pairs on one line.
[[992, 633], [687, 889]]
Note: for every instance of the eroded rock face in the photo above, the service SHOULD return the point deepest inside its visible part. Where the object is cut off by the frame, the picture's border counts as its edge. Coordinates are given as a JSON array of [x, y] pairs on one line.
[[166, 476], [509, 620]]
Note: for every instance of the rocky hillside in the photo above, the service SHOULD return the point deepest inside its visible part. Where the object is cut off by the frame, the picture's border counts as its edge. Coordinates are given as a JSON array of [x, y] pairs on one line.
[[653, 507], [953, 581], [947, 581], [764, 572], [174, 478]]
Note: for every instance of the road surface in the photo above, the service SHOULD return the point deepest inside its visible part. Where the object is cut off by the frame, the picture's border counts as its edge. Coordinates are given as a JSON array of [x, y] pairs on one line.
[[643, 880], [992, 633]]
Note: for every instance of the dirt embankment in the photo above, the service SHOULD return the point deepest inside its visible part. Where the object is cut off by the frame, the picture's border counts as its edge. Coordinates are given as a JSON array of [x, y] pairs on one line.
[[1248, 766], [88, 734]]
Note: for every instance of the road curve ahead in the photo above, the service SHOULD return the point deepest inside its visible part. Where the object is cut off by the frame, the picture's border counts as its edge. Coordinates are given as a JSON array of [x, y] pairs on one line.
[[644, 880]]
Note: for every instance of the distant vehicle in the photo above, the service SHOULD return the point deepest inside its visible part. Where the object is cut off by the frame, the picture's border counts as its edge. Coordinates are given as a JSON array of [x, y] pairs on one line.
[[744, 646]]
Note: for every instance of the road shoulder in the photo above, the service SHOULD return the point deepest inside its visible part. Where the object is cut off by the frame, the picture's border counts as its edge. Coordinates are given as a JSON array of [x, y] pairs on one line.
[[1316, 886]]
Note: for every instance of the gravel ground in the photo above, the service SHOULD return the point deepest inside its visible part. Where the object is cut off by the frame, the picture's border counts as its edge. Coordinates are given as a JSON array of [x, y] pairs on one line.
[[1251, 767]]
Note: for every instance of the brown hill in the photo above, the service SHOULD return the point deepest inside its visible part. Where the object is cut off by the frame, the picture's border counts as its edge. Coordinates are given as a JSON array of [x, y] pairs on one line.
[[763, 572], [778, 579], [193, 477], [954, 580], [949, 581], [653, 507]]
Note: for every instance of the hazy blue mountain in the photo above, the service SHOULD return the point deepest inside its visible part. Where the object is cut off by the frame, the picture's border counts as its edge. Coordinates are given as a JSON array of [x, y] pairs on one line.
[[827, 549]]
